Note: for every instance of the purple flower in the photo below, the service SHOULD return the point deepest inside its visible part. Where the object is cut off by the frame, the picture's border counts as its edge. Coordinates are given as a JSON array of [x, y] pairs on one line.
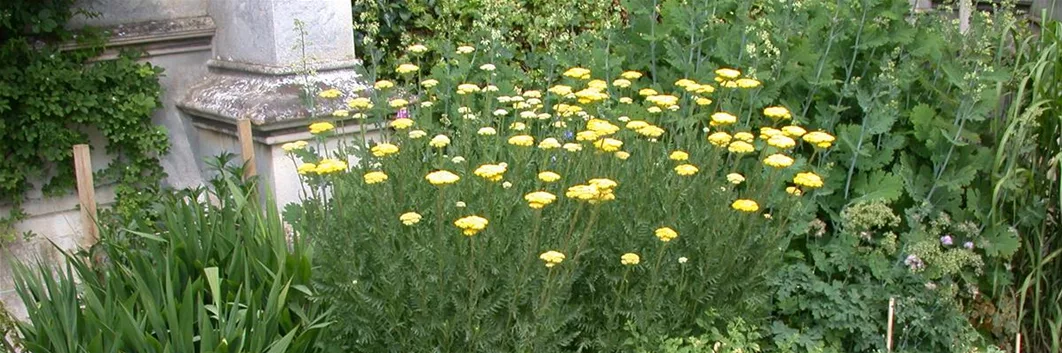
[[946, 240], [968, 245], [568, 135], [402, 113]]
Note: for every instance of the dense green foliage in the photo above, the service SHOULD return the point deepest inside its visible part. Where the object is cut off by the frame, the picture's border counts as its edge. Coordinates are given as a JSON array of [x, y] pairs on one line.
[[52, 99], [206, 277]]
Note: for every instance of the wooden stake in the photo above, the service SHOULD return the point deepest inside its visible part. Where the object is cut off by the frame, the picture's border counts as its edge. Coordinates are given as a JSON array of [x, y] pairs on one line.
[[1017, 343], [86, 194], [965, 11], [246, 148], [888, 334]]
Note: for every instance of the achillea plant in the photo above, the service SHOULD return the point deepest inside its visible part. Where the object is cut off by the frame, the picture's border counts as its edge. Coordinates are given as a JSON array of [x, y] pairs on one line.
[[551, 217]]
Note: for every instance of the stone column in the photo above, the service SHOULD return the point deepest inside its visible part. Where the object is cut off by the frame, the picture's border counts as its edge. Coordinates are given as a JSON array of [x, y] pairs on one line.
[[261, 60]]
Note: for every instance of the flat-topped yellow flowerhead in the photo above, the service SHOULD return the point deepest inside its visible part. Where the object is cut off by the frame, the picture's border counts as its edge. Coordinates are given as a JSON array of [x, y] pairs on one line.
[[471, 225], [491, 172], [601, 127], [793, 131], [727, 73], [767, 132], [548, 176], [307, 168], [465, 49], [735, 178], [487, 131], [539, 199], [417, 48], [552, 258], [741, 147], [622, 155], [621, 83], [651, 131], [406, 68], [402, 123], [429, 83], [719, 138], [793, 190], [777, 113], [781, 141], [665, 234], [439, 141], [442, 177], [329, 166], [686, 169], [383, 84], [630, 259], [722, 118], [819, 139], [631, 75], [745, 205], [578, 72], [522, 141], [375, 177], [808, 180], [360, 103], [778, 160], [321, 127], [549, 143], [383, 150], [293, 146], [330, 93], [747, 83], [409, 218], [608, 144]]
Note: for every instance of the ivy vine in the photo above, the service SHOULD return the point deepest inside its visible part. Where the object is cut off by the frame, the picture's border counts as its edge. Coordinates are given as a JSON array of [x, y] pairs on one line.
[[52, 99]]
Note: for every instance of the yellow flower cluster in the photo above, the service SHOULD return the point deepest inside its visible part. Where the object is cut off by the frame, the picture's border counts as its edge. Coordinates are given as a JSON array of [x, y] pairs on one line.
[[322, 127], [375, 177], [578, 72], [442, 177], [539, 199], [329, 166], [471, 225], [745, 205], [808, 180], [522, 141], [402, 123], [293, 146], [594, 191], [548, 176], [665, 234], [406, 68], [686, 169], [409, 218], [383, 150], [491, 172], [630, 259], [552, 258]]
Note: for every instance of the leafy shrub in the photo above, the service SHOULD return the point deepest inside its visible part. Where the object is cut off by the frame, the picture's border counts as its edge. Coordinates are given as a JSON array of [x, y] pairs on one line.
[[205, 278], [51, 99]]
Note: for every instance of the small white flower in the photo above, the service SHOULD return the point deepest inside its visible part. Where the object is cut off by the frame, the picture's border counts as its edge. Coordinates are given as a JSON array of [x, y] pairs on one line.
[[426, 104], [490, 88], [487, 67], [501, 112], [507, 185], [504, 99], [458, 159], [527, 114], [460, 204], [624, 119], [683, 260]]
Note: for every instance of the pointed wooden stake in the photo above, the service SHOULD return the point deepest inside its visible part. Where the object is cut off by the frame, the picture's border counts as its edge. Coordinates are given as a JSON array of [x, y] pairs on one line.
[[243, 129], [86, 194], [888, 334]]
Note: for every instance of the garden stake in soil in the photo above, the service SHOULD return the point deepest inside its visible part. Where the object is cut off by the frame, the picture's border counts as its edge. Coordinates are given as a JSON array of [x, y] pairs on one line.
[[86, 194]]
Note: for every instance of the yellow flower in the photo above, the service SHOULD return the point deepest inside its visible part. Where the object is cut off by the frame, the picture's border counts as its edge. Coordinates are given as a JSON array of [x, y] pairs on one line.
[[792, 190], [684, 83], [471, 225], [741, 147], [561, 90], [654, 110], [429, 83], [636, 124], [417, 48], [406, 68], [678, 155], [600, 85], [330, 93], [398, 103], [549, 143], [539, 199], [630, 259], [375, 177], [777, 112], [686, 169], [745, 205], [744, 136], [409, 218], [532, 94], [578, 72], [572, 147], [793, 131], [727, 73], [808, 180], [601, 127], [402, 123], [778, 161], [819, 139], [747, 83], [647, 92], [317, 128], [702, 89], [621, 83], [626, 100], [665, 234], [631, 75], [383, 84], [719, 138], [548, 176], [781, 141], [595, 191], [466, 88], [622, 155], [522, 140], [416, 134], [360, 103], [703, 101], [439, 141], [464, 49], [608, 144], [552, 258], [292, 146], [487, 131], [735, 178], [586, 135], [492, 172], [340, 113], [307, 168], [662, 100], [442, 177], [518, 126], [590, 95], [767, 132], [383, 150], [723, 118], [329, 166]]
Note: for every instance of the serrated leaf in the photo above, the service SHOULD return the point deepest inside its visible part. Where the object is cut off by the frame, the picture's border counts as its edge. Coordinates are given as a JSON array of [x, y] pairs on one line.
[[877, 185]]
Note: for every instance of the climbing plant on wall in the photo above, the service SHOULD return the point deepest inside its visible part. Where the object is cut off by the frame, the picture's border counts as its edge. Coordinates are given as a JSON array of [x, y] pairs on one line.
[[52, 99]]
